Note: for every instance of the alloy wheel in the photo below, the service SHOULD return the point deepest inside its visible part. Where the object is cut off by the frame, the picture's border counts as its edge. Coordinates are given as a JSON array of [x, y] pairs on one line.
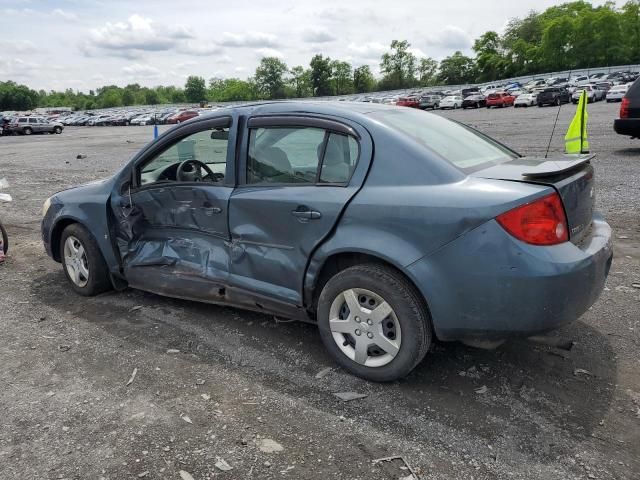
[[365, 327], [75, 261]]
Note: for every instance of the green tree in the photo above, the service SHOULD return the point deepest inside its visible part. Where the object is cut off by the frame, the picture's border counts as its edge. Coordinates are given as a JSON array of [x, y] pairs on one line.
[[427, 71], [195, 89], [630, 25], [300, 82], [151, 97], [342, 77], [269, 77], [231, 90], [456, 69], [363, 80], [321, 73], [398, 66]]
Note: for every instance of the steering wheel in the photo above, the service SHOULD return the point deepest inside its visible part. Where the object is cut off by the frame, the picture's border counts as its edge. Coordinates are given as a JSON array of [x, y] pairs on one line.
[[191, 171]]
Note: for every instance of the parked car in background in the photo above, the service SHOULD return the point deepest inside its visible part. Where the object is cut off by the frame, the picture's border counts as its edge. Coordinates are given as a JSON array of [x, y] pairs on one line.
[[294, 212], [182, 116], [500, 99], [617, 92], [413, 102], [30, 125], [628, 122], [430, 101], [451, 101], [579, 80], [526, 100], [553, 96], [592, 96], [474, 101], [466, 92], [144, 119]]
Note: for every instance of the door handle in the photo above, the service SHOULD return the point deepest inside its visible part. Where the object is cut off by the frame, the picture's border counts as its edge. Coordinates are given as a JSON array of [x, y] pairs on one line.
[[305, 213]]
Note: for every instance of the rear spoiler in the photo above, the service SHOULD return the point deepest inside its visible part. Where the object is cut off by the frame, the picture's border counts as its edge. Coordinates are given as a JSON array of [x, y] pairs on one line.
[[556, 166]]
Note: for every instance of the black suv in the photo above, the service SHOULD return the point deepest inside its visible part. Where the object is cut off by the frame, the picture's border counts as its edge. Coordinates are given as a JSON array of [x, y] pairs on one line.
[[629, 121], [553, 96]]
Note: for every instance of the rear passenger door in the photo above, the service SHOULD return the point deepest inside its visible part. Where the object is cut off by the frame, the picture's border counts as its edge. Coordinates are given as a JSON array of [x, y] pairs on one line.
[[297, 175]]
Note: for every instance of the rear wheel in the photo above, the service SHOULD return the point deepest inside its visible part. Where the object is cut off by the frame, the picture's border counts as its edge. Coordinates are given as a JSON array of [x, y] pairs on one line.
[[82, 260], [373, 322]]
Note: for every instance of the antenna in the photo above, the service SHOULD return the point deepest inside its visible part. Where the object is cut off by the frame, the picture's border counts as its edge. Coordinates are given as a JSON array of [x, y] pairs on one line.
[[546, 154]]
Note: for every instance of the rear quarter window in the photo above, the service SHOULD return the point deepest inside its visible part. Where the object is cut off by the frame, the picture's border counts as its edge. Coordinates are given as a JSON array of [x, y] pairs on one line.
[[458, 144]]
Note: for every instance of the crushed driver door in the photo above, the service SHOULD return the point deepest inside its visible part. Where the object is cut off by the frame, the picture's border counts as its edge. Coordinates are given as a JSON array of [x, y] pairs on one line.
[[171, 217]]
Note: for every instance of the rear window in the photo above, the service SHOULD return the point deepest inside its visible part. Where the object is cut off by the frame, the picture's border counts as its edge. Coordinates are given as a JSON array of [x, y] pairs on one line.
[[460, 145]]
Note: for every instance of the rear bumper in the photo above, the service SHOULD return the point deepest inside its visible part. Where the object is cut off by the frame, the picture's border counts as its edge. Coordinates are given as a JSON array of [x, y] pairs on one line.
[[487, 285], [627, 126]]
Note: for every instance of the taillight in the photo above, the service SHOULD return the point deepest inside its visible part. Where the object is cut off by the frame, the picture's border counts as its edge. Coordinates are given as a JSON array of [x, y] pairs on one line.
[[624, 108], [542, 222]]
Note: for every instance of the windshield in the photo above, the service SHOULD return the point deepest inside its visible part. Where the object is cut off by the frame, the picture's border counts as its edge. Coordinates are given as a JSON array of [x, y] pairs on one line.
[[460, 145]]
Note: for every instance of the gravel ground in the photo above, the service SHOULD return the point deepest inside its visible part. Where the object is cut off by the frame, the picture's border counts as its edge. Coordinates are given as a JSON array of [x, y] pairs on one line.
[[217, 387]]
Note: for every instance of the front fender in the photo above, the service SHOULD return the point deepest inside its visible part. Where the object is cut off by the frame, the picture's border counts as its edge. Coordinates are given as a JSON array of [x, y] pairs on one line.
[[88, 208]]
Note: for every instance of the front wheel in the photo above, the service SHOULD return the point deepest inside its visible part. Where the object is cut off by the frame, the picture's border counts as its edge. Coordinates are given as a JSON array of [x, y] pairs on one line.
[[373, 322], [27, 131], [82, 261], [57, 130]]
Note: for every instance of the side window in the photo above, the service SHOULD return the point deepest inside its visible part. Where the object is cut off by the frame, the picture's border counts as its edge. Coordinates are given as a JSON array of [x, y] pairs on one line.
[[284, 155], [340, 159], [201, 156], [22, 120], [32, 120]]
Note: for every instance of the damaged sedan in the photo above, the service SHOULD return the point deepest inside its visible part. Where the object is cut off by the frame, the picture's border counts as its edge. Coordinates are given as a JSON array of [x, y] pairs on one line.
[[388, 228]]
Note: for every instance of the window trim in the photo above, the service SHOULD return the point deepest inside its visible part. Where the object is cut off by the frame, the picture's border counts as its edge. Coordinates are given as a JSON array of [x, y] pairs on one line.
[[299, 122]]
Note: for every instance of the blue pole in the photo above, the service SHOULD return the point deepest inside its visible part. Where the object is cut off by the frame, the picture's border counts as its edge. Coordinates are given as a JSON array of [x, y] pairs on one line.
[[155, 126]]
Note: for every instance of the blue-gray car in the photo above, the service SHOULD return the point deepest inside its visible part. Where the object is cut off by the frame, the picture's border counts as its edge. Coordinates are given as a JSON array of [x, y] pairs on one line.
[[387, 227]]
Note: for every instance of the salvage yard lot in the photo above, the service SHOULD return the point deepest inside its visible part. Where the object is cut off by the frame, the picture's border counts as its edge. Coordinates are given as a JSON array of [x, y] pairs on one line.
[[216, 384]]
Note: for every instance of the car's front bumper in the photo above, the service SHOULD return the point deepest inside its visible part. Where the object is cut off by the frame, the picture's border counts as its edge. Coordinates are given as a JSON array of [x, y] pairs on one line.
[[627, 126], [487, 285]]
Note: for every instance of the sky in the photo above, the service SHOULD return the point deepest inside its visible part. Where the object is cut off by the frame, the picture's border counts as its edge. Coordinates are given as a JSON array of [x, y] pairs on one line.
[[84, 44]]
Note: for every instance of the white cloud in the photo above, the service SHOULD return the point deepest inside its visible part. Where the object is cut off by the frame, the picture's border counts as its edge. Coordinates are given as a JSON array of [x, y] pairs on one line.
[[269, 52], [417, 52], [450, 38], [317, 35], [16, 67], [128, 39], [141, 70], [367, 51], [249, 39], [200, 48], [69, 16], [20, 46]]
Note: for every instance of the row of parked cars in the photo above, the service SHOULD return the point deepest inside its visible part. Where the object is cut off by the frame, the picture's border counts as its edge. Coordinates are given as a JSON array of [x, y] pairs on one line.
[[599, 86], [125, 117], [550, 95]]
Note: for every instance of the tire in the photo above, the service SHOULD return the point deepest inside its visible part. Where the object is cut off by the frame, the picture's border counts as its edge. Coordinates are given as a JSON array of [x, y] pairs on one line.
[[27, 131], [557, 102], [540, 105], [96, 279], [57, 130], [5, 239], [412, 333]]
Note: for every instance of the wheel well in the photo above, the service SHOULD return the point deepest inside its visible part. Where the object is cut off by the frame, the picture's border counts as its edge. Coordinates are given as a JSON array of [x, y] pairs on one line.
[[56, 235], [342, 261]]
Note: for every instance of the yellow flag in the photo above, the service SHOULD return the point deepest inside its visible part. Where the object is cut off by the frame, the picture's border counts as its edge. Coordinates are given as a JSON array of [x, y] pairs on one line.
[[575, 141]]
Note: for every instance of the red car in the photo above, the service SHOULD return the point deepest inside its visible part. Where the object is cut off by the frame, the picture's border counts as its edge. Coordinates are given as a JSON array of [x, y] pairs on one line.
[[500, 99], [413, 102], [182, 116]]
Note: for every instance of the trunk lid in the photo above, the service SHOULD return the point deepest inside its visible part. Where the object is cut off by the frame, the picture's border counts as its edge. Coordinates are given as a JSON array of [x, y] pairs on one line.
[[570, 175]]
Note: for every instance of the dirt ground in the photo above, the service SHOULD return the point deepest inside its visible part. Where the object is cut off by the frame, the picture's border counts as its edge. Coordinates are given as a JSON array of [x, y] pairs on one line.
[[217, 387]]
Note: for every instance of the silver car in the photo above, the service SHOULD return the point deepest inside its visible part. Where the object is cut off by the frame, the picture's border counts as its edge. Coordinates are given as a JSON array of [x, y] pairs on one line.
[[29, 125]]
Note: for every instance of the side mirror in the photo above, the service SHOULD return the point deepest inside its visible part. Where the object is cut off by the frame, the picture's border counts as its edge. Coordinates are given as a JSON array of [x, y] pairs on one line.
[[220, 135]]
